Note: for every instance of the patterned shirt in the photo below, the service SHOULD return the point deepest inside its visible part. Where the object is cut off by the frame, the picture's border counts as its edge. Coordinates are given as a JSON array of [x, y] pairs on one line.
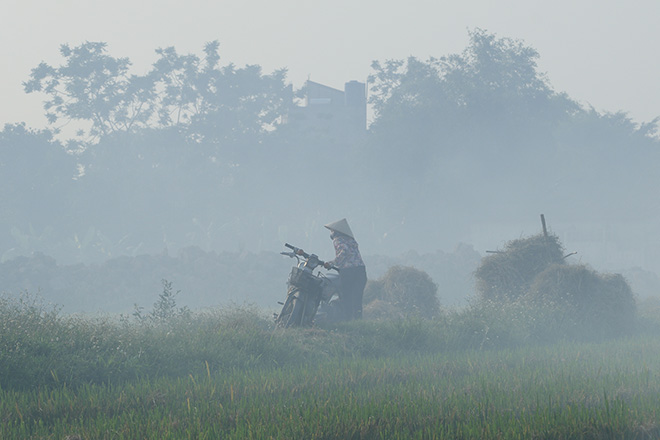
[[346, 251]]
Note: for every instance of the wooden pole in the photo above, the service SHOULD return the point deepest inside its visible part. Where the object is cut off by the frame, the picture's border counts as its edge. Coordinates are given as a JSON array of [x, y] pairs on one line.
[[545, 230]]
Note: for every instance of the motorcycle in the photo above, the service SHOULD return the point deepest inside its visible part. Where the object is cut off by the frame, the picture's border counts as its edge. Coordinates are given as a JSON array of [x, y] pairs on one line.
[[307, 291]]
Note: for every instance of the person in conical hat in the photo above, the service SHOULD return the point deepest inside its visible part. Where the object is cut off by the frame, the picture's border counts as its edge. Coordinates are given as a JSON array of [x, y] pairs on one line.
[[342, 227], [352, 271]]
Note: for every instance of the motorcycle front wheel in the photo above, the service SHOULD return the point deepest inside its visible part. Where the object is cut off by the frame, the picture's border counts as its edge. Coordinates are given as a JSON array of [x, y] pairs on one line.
[[292, 311], [297, 313]]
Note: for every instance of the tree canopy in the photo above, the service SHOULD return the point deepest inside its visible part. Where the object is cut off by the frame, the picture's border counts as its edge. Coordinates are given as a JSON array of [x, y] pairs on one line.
[[207, 101], [195, 151]]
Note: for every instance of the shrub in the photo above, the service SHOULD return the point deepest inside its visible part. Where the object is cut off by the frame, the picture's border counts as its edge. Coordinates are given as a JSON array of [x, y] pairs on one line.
[[402, 292], [508, 274], [164, 309]]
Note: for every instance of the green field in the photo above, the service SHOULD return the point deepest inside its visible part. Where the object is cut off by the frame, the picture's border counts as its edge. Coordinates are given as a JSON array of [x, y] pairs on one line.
[[229, 375]]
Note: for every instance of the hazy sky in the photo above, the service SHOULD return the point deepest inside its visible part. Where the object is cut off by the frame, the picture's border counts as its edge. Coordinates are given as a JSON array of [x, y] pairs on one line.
[[601, 52]]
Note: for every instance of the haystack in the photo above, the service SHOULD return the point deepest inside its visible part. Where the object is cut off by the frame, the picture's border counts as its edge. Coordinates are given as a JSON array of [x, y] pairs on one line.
[[507, 274], [589, 304], [402, 291]]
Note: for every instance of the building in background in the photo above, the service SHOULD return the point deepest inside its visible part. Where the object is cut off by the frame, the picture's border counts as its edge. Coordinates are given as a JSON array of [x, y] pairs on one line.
[[326, 111]]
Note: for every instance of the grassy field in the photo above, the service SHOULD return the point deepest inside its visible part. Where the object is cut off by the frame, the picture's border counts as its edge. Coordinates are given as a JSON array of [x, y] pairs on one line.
[[229, 375]]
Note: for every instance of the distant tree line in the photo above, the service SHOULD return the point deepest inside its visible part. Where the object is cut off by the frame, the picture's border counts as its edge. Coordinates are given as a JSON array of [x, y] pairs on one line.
[[487, 132], [194, 152], [201, 99]]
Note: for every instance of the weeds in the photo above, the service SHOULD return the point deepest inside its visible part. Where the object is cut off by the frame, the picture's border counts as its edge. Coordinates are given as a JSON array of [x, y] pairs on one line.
[[164, 309]]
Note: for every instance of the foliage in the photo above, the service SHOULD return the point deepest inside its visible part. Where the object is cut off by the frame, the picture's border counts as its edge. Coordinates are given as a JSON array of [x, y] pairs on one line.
[[220, 105], [490, 100], [165, 308], [213, 104], [95, 87], [198, 133], [486, 125], [405, 291], [36, 177], [190, 131], [507, 274], [492, 74]]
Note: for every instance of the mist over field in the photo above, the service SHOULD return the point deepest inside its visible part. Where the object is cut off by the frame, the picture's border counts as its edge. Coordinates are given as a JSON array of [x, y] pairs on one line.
[[197, 171], [497, 163]]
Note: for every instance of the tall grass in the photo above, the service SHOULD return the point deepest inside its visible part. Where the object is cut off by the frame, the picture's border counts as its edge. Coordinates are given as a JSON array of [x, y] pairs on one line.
[[577, 391], [474, 373], [40, 347]]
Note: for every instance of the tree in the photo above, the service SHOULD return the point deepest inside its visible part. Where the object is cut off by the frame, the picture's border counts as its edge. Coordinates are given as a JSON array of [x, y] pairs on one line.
[[220, 105], [36, 176], [448, 123], [494, 74], [492, 93], [93, 87], [207, 102]]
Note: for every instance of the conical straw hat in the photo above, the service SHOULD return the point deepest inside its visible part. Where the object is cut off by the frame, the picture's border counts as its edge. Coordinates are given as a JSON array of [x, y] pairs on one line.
[[341, 226]]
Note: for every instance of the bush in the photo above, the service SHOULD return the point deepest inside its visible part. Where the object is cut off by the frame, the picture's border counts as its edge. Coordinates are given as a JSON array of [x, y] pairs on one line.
[[508, 274], [165, 309], [585, 304], [402, 292]]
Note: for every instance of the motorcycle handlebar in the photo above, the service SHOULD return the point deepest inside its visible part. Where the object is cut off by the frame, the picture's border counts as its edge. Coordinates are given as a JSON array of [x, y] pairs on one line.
[[306, 255], [296, 250]]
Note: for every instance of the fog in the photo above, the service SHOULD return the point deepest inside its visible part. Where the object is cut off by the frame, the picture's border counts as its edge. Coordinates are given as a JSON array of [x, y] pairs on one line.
[[433, 161], [156, 158]]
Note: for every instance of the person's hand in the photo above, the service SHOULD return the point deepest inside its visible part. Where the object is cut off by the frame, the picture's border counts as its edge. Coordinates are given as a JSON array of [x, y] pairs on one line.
[[327, 265], [300, 252]]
